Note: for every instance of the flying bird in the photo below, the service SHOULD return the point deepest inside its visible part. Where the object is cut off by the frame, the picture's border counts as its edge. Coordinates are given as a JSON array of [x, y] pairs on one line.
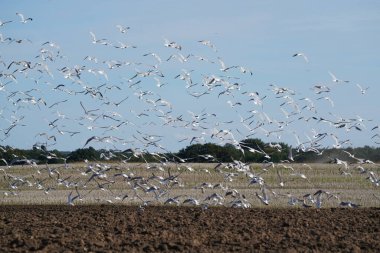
[[172, 44], [123, 29], [23, 19], [98, 41], [207, 43], [336, 80], [303, 56], [362, 90], [4, 22]]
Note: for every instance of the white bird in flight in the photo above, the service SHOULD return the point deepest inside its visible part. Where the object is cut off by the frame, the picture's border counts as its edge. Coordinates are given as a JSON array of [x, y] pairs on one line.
[[362, 90], [336, 80], [208, 43], [123, 29], [23, 19], [4, 22], [100, 41], [303, 55], [172, 44]]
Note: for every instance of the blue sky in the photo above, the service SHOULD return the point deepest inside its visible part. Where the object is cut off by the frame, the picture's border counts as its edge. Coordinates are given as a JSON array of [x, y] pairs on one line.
[[340, 37]]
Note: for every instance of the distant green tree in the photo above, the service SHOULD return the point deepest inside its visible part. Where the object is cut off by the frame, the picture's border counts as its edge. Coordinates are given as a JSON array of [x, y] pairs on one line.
[[82, 154], [208, 152], [257, 151]]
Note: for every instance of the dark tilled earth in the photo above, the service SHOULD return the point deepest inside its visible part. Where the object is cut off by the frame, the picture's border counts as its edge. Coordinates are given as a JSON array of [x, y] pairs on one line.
[[186, 229]]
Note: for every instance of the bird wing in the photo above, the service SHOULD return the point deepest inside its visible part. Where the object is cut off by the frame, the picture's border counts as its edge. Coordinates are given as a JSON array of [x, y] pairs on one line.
[[333, 76], [93, 36], [21, 16], [90, 139]]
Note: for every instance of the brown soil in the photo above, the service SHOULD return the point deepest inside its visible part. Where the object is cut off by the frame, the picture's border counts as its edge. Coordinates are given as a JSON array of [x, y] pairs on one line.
[[186, 229]]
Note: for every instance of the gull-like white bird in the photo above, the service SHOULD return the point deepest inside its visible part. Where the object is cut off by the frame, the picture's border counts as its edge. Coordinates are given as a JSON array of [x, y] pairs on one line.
[[303, 56], [172, 44], [245, 70], [348, 204], [156, 56], [95, 40], [5, 161], [290, 155], [4, 22], [2, 40], [223, 65], [362, 90], [328, 99], [264, 198], [124, 45], [123, 29], [208, 43], [336, 80], [191, 201], [23, 19], [71, 198]]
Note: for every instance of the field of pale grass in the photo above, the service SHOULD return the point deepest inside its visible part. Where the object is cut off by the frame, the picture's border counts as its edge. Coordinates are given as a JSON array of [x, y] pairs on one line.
[[52, 184]]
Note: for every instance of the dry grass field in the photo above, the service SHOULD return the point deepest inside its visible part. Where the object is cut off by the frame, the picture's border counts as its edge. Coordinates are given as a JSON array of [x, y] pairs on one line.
[[139, 184]]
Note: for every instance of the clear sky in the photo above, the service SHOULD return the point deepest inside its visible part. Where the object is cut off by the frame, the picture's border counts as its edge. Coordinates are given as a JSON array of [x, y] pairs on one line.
[[337, 37]]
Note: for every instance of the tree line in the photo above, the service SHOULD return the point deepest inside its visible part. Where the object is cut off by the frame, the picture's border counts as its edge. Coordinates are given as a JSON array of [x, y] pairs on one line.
[[248, 150]]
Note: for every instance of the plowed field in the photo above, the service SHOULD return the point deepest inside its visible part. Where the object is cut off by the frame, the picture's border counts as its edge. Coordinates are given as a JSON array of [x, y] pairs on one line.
[[109, 228]]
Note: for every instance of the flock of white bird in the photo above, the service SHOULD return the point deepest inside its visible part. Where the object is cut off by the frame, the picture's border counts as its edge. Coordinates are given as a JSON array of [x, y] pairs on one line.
[[137, 101]]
